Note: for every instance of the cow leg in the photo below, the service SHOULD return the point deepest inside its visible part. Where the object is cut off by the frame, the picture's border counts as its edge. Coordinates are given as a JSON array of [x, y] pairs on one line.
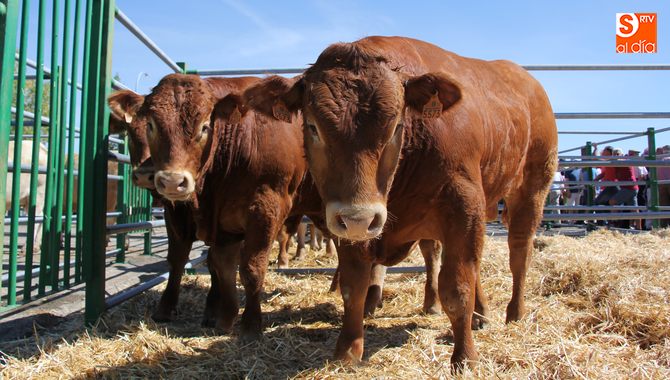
[[223, 294], [212, 304], [330, 247], [480, 317], [261, 227], [177, 257], [524, 213], [283, 238], [335, 282], [373, 300], [300, 250], [319, 237], [431, 251], [462, 247], [354, 279], [313, 242]]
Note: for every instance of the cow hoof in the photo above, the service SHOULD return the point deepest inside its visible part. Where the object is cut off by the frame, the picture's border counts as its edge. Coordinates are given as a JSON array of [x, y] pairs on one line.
[[514, 313], [208, 322], [459, 361], [432, 310], [300, 254], [479, 322], [352, 354], [282, 266], [250, 336], [161, 317]]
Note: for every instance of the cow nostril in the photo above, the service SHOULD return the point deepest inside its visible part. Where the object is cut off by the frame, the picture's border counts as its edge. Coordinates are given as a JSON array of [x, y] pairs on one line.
[[160, 184], [183, 185], [151, 178], [340, 222], [376, 223]]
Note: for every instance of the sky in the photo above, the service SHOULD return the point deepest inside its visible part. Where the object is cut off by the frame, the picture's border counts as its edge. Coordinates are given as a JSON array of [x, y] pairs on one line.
[[236, 34]]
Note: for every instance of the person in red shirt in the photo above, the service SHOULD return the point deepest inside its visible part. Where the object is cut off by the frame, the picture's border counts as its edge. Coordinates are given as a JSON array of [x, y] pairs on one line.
[[626, 194], [607, 173]]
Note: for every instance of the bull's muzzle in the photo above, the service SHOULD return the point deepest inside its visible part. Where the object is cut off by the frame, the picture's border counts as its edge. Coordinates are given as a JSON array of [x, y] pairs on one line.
[[144, 178], [355, 222], [175, 185]]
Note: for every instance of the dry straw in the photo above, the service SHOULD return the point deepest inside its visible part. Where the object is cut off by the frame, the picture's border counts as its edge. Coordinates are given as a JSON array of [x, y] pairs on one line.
[[598, 307]]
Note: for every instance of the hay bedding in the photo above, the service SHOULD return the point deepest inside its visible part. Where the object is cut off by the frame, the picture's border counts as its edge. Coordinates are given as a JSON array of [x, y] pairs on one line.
[[598, 307]]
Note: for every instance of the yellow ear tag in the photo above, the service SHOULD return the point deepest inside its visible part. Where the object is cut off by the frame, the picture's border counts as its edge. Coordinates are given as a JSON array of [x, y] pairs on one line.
[[235, 116], [280, 112], [432, 109]]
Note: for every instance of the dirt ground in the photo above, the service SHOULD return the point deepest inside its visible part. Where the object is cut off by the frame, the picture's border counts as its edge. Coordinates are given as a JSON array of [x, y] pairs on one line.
[[597, 307]]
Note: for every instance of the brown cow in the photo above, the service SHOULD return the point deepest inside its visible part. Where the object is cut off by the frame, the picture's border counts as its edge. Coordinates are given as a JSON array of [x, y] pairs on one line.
[[180, 227], [178, 217], [239, 178], [396, 126]]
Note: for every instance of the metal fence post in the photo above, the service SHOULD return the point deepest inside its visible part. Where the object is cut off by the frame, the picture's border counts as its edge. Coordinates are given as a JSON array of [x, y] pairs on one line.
[[591, 190], [8, 22], [49, 245], [37, 132], [652, 203], [18, 144], [122, 202], [96, 146], [70, 147]]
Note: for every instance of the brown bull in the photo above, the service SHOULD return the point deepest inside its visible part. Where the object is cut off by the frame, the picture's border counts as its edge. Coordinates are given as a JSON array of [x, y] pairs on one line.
[[410, 140], [178, 218], [180, 225], [240, 180]]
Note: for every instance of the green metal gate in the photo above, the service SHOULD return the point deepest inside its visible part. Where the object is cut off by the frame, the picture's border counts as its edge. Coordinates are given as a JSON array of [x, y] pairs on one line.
[[59, 108]]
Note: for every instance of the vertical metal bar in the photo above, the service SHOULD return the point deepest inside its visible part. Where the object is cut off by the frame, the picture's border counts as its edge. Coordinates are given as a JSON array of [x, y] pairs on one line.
[[147, 216], [8, 22], [70, 146], [591, 190], [48, 246], [121, 203], [97, 150], [83, 138], [37, 131], [652, 203], [18, 144], [57, 213], [62, 128]]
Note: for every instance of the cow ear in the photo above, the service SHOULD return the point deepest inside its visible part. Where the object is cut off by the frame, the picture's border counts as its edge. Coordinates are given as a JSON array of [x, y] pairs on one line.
[[276, 97], [231, 109], [431, 94], [124, 105]]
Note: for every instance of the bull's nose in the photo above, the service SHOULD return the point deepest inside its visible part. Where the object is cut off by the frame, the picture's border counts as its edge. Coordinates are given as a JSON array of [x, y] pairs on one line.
[[144, 179], [174, 185], [356, 222]]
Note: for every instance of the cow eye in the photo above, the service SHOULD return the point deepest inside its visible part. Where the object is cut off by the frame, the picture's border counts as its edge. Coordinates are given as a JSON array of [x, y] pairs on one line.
[[398, 130], [204, 132], [312, 129]]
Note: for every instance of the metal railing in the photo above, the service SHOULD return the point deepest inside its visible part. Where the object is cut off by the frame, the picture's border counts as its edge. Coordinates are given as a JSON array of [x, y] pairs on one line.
[[76, 87], [95, 83]]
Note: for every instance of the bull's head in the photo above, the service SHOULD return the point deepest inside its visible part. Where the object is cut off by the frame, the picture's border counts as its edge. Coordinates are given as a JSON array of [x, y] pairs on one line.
[[180, 138], [355, 110], [124, 106]]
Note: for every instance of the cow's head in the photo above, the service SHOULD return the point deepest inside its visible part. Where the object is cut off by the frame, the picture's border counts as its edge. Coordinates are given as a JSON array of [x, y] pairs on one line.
[[124, 106], [355, 108], [179, 134]]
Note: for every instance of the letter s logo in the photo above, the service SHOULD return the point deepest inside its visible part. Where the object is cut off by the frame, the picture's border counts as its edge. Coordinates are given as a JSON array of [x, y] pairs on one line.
[[627, 24]]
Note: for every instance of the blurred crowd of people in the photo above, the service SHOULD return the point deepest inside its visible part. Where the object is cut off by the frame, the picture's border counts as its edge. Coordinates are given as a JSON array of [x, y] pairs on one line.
[[621, 186]]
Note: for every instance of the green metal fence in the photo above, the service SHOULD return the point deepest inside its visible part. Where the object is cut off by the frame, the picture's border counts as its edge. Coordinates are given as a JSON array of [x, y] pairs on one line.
[[63, 100]]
